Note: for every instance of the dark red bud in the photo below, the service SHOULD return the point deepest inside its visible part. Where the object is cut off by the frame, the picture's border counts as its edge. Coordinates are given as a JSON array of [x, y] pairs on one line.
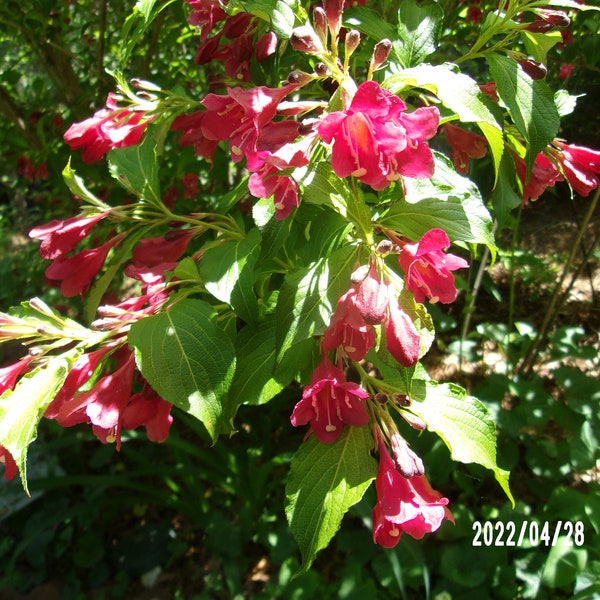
[[299, 78], [534, 69], [381, 52], [540, 26], [304, 39]]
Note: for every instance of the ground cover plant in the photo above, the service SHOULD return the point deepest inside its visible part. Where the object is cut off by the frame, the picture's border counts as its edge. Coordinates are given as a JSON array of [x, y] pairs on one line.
[[263, 208]]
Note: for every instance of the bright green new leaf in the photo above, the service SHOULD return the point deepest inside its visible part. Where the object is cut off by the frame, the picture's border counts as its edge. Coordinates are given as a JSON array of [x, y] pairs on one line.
[[419, 26], [463, 422], [228, 273], [77, 187], [136, 168], [325, 481], [448, 201], [309, 297], [253, 381], [188, 360], [539, 44], [530, 102], [22, 408]]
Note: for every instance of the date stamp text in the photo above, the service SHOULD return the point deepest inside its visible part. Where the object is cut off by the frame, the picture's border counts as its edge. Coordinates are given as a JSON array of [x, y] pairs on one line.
[[527, 533]]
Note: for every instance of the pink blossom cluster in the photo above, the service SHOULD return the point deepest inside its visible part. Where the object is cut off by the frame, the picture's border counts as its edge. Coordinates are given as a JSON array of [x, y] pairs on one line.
[[109, 128], [406, 503]]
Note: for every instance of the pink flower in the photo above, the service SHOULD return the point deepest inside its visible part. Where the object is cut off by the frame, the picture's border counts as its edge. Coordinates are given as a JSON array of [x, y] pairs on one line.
[[580, 166], [544, 174], [10, 466], [191, 125], [107, 129], [166, 248], [241, 117], [10, 374], [266, 46], [405, 505], [75, 273], [377, 141], [348, 329], [148, 409], [565, 70], [60, 237], [267, 180], [367, 303], [428, 269], [330, 402], [465, 145], [402, 338], [205, 14]]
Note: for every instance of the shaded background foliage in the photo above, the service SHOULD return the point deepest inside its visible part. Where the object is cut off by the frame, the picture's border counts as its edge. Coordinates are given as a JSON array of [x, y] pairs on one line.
[[195, 521]]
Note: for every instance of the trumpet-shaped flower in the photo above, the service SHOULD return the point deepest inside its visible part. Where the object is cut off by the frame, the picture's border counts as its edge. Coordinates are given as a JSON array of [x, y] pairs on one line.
[[405, 505], [377, 141], [330, 402], [428, 269]]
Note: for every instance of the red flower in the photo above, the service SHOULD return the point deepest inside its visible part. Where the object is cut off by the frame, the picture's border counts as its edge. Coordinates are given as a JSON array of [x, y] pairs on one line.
[[107, 129], [402, 338], [428, 269], [565, 70], [241, 117], [405, 505], [10, 374], [348, 329], [266, 46], [474, 14], [580, 166], [544, 174], [330, 402], [367, 303], [191, 125], [151, 411], [167, 248], [376, 141], [60, 237], [10, 466], [75, 273], [465, 145]]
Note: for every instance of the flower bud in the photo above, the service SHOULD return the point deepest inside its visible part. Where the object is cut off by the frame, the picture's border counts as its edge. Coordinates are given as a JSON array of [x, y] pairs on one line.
[[408, 463], [299, 78], [320, 22], [380, 53], [351, 42], [304, 39], [402, 400], [385, 247], [333, 10], [534, 69], [381, 397], [540, 26], [557, 17], [321, 70], [414, 421]]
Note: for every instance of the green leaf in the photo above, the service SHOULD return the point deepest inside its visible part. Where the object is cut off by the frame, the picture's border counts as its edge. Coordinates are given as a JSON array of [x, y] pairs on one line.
[[504, 197], [539, 44], [228, 274], [77, 187], [325, 481], [458, 92], [188, 360], [419, 27], [447, 200], [253, 382], [136, 168], [369, 21], [309, 297], [463, 422], [281, 14], [22, 408], [564, 563], [187, 269], [530, 102]]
